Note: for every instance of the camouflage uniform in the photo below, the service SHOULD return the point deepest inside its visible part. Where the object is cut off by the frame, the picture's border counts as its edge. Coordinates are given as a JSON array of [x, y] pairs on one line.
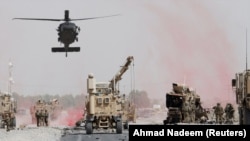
[[192, 111], [46, 116], [229, 110], [37, 118], [218, 111], [185, 112], [41, 118], [12, 120], [6, 119]]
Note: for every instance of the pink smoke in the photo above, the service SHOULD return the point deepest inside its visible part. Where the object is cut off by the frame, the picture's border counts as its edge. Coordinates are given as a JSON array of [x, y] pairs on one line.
[[191, 44], [68, 117]]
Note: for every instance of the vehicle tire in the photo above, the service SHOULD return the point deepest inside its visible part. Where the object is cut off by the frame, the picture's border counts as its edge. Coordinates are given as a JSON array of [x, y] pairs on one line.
[[125, 126], [78, 123], [89, 128], [168, 120], [240, 116], [165, 122], [119, 127], [246, 116]]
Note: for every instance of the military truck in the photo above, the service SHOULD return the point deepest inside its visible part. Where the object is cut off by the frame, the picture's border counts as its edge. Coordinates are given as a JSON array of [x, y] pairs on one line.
[[241, 86], [52, 107], [183, 105], [104, 102], [8, 109]]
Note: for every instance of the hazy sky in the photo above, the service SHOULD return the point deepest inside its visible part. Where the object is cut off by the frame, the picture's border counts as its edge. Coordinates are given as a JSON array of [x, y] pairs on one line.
[[199, 42]]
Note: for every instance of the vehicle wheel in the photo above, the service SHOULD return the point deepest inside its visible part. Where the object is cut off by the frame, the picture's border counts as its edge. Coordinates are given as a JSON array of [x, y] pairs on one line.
[[246, 116], [89, 128], [240, 116], [125, 126], [165, 122], [78, 123], [119, 127], [176, 120]]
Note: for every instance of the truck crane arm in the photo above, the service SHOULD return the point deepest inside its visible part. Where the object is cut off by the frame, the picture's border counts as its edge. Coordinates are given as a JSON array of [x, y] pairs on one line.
[[119, 74]]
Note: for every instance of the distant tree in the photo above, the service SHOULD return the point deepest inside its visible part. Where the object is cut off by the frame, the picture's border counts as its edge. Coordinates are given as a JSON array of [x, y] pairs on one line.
[[67, 101]]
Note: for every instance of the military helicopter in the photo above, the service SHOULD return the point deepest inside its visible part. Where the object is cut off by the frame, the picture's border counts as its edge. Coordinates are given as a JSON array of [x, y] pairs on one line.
[[67, 31]]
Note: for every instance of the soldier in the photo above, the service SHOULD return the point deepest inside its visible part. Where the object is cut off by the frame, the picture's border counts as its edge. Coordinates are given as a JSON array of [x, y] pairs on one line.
[[218, 111], [192, 109], [6, 119], [41, 117], [46, 116], [229, 110], [12, 120], [37, 118], [185, 112]]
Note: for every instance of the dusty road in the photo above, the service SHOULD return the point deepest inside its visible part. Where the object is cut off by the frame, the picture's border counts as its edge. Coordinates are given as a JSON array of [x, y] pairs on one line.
[[59, 133], [101, 135]]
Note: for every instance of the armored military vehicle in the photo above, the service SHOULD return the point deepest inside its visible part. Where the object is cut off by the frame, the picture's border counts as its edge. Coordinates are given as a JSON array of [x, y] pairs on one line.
[[8, 109], [104, 103], [183, 105], [52, 107], [241, 86]]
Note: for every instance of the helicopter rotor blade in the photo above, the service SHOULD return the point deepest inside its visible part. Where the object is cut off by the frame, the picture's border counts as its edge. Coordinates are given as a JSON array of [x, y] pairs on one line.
[[93, 18], [38, 19]]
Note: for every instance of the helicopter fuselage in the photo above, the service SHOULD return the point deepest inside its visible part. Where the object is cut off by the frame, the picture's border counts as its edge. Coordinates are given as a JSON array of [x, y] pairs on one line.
[[68, 32]]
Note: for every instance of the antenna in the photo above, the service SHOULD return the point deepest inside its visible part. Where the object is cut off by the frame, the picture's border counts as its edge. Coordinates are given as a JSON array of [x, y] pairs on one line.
[[246, 48], [184, 80]]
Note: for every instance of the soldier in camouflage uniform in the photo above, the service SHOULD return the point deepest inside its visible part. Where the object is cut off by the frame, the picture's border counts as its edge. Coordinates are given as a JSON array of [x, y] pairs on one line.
[[192, 109], [218, 111], [229, 111], [46, 116], [6, 120], [37, 118], [41, 117], [185, 112]]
